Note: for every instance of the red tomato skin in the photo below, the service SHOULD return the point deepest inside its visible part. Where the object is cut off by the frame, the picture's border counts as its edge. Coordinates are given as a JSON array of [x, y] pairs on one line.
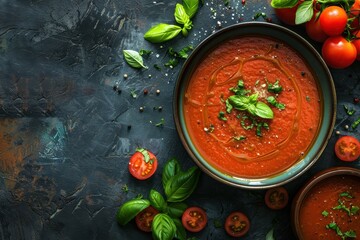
[[194, 215], [144, 219], [338, 53], [347, 148], [314, 31], [287, 15], [333, 20], [138, 167], [276, 198], [355, 8], [241, 219], [356, 43]]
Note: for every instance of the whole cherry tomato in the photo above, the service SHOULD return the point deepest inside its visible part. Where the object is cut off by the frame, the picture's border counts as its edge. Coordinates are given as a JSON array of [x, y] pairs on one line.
[[333, 20], [314, 31], [287, 15], [338, 52]]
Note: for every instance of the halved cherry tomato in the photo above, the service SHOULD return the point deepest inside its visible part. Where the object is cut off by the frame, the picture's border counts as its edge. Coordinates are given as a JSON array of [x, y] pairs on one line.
[[237, 224], [347, 148], [194, 219], [333, 20], [144, 218], [276, 198], [355, 8], [143, 164], [338, 52]]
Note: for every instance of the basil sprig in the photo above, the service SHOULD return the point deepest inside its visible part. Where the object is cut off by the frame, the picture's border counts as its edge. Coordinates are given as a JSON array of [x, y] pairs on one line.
[[134, 59], [178, 186], [251, 105], [183, 13]]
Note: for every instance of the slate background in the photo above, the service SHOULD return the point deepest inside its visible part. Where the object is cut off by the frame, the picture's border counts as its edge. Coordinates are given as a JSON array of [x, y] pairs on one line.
[[66, 136]]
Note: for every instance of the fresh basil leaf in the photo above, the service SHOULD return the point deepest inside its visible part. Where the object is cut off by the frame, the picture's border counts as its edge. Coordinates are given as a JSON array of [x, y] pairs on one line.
[[157, 200], [252, 109], [253, 98], [191, 7], [283, 3], [304, 12], [180, 187], [270, 235], [176, 209], [171, 168], [130, 209], [162, 32], [180, 230], [239, 102], [263, 111], [184, 32], [163, 227], [180, 15], [134, 59]]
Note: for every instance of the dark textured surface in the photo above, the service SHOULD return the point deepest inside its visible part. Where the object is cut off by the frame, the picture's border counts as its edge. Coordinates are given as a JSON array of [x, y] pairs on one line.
[[66, 135]]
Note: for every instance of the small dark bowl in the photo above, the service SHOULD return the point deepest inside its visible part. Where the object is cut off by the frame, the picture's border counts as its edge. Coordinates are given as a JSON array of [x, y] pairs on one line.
[[320, 70], [314, 181]]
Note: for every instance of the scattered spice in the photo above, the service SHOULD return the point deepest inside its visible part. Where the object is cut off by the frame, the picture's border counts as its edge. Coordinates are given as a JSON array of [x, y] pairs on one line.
[[356, 100], [141, 109], [146, 91], [125, 75], [157, 91]]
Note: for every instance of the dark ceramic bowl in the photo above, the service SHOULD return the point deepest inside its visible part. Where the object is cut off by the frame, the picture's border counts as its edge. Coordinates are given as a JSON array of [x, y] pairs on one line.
[[320, 70], [301, 195]]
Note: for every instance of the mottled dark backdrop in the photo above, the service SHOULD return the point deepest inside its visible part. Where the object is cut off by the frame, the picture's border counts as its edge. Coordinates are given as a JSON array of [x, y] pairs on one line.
[[69, 119]]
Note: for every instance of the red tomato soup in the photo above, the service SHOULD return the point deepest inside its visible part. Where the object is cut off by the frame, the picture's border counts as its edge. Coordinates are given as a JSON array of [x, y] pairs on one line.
[[331, 208], [238, 142]]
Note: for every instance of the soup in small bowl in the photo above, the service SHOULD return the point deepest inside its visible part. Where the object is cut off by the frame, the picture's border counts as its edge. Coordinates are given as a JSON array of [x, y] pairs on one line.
[[254, 105], [328, 206]]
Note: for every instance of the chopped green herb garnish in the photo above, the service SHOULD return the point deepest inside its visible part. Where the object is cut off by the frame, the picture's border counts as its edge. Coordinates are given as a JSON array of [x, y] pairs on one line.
[[336, 228], [226, 2], [245, 125], [161, 123], [144, 52], [125, 188], [259, 127], [221, 116], [239, 89], [346, 194], [272, 100], [133, 94], [239, 138], [356, 123], [172, 63], [275, 87], [229, 107], [325, 213], [349, 111], [354, 210]]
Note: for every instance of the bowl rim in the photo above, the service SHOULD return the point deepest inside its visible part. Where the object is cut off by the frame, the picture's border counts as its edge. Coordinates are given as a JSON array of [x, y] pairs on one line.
[[304, 190], [255, 183]]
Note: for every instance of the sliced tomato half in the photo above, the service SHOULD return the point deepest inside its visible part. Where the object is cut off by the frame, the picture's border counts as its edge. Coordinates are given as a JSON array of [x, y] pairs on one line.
[[237, 224], [194, 219], [145, 217], [347, 148], [143, 164], [276, 198]]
